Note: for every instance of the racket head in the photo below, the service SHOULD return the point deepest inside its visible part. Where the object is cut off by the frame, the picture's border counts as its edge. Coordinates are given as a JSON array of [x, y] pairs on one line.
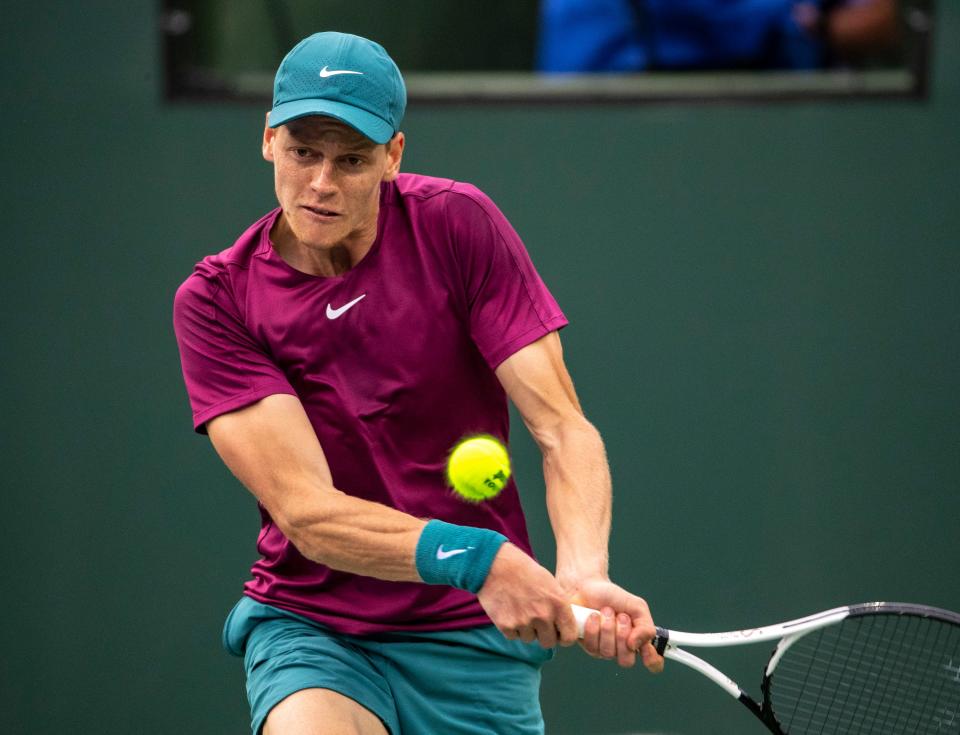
[[886, 668]]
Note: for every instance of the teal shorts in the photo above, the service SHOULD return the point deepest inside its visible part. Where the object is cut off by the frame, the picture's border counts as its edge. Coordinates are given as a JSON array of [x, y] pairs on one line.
[[460, 682]]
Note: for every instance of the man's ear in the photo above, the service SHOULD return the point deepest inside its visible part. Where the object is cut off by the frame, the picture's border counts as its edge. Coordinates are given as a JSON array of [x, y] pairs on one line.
[[269, 135], [394, 156]]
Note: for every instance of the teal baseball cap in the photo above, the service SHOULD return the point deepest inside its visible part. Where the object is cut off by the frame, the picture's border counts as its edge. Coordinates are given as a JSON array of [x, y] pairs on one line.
[[342, 76]]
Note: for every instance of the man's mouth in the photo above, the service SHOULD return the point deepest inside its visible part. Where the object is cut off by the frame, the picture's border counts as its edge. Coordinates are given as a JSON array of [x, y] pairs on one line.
[[322, 212]]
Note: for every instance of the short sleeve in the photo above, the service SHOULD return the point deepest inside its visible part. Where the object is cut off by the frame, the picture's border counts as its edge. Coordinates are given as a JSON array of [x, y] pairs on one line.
[[509, 305], [224, 367]]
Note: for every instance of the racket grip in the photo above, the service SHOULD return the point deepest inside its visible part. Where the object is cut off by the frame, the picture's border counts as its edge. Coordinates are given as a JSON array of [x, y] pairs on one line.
[[660, 640], [581, 614]]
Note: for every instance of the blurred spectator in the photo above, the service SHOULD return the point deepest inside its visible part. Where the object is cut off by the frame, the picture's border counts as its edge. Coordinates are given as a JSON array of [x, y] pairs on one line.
[[851, 29], [637, 35]]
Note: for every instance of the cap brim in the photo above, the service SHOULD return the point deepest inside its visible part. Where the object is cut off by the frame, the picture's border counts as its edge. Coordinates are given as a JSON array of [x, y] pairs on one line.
[[360, 120]]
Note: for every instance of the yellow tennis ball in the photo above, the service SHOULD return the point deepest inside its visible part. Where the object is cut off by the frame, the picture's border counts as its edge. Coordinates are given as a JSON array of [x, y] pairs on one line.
[[478, 468]]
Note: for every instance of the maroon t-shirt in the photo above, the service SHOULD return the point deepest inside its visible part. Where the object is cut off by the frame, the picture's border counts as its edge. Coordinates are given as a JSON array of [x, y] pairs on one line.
[[393, 362]]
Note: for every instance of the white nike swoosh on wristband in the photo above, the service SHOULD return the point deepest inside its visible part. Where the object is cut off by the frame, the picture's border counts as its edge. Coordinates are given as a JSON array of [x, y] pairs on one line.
[[443, 554], [340, 311]]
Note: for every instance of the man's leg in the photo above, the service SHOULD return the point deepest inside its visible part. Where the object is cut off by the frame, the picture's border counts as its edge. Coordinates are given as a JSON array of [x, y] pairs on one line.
[[466, 682], [303, 678], [321, 712]]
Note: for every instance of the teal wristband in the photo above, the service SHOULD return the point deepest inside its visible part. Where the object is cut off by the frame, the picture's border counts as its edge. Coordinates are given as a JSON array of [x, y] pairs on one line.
[[459, 556]]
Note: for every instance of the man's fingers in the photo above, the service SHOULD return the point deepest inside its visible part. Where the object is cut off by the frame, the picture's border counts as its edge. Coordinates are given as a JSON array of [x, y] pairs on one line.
[[608, 633], [651, 659], [566, 626], [546, 633], [591, 634], [626, 656], [643, 631], [625, 634], [641, 635]]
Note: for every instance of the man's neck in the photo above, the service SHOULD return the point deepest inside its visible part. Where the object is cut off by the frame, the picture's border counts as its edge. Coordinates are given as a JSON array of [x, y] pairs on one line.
[[317, 261]]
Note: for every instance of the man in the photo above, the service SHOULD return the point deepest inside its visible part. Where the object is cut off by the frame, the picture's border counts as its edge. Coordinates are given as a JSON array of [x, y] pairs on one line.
[[334, 354]]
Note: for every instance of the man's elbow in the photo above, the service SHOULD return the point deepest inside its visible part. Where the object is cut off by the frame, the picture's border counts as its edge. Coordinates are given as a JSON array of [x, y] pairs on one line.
[[307, 527], [569, 430]]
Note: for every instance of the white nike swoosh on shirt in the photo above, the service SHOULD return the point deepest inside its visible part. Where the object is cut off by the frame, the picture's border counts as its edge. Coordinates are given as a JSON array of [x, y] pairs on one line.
[[442, 554], [325, 72], [338, 312]]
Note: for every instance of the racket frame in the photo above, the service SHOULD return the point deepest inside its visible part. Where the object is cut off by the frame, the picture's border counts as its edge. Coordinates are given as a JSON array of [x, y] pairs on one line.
[[667, 643]]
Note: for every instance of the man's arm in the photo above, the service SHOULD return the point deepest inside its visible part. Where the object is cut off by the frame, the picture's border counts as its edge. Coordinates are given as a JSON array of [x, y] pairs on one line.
[[272, 449], [578, 486]]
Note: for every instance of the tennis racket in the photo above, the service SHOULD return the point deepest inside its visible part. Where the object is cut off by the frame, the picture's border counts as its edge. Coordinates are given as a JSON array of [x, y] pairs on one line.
[[886, 668]]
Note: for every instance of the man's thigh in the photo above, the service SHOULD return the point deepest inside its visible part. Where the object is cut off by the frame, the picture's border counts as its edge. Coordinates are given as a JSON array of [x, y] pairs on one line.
[[454, 682], [468, 682], [285, 656], [321, 712]]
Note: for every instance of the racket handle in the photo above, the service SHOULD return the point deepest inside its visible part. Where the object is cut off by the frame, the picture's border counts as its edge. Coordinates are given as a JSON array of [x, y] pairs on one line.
[[581, 614], [660, 640]]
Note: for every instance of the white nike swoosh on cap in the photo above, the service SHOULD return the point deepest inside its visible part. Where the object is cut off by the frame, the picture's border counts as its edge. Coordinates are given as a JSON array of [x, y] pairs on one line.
[[340, 311], [325, 72]]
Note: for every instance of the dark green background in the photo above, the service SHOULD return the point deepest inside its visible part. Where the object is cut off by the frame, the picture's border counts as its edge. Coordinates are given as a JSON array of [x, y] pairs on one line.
[[765, 326], [229, 37]]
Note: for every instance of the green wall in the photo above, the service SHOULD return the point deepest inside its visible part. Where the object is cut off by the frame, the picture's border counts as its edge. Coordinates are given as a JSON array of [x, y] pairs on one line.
[[764, 325]]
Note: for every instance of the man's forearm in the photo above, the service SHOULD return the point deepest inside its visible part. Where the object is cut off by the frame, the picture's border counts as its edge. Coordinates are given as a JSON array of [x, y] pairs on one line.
[[273, 450], [578, 486], [358, 536]]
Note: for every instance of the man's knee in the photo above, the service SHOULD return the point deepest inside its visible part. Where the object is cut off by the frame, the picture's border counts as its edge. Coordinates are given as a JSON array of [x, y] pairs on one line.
[[321, 711]]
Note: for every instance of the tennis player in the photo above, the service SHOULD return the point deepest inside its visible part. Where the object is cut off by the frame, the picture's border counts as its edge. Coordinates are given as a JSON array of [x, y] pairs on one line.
[[334, 354]]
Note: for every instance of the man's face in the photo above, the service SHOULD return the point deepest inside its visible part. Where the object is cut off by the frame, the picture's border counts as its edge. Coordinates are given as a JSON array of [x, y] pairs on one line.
[[327, 177]]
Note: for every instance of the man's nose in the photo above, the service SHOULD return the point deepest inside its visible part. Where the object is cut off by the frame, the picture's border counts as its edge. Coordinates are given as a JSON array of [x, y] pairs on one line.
[[324, 177]]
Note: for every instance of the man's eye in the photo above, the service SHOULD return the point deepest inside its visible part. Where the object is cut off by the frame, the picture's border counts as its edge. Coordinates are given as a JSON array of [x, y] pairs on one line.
[[301, 152], [354, 161]]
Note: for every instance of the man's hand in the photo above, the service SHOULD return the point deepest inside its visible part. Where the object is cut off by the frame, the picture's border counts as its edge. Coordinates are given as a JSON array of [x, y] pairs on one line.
[[526, 602], [623, 628]]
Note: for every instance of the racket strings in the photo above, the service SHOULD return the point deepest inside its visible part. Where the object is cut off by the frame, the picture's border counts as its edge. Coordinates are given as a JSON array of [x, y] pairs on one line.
[[856, 708], [883, 674], [864, 704]]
